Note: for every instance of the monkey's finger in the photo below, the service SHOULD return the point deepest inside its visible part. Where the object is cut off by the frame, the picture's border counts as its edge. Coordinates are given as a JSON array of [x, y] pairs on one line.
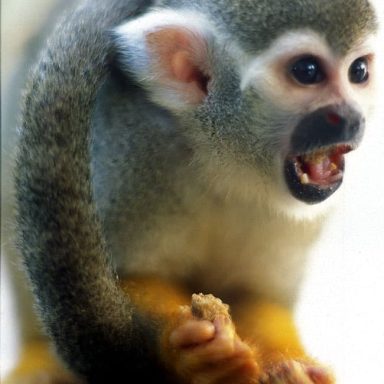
[[225, 347], [232, 371], [192, 333], [292, 372], [226, 341]]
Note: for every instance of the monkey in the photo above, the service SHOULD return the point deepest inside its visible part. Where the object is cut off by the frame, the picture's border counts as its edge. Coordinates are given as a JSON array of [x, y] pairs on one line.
[[171, 148]]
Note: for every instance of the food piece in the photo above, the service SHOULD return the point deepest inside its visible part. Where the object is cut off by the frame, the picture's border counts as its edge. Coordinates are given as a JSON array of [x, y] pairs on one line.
[[208, 307]]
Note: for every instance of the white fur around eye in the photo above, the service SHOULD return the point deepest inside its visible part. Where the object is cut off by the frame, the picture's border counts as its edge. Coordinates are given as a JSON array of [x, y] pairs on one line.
[[290, 44]]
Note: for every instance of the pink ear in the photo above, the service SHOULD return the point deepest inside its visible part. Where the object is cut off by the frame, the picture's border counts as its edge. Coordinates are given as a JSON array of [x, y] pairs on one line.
[[180, 60]]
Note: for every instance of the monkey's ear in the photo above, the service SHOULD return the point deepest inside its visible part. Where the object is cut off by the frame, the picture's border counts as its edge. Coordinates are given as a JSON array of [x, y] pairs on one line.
[[168, 53]]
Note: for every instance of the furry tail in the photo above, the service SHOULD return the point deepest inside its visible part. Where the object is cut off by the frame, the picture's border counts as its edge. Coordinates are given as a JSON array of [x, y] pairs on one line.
[[91, 322]]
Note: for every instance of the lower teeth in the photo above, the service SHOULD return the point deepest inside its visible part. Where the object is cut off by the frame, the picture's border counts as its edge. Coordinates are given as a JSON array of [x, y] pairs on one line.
[[304, 178]]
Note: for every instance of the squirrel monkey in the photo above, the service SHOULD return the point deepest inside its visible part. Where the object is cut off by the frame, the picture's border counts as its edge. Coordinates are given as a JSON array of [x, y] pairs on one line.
[[171, 148]]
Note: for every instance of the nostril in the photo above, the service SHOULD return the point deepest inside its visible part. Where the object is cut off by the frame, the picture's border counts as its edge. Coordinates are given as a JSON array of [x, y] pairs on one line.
[[333, 118]]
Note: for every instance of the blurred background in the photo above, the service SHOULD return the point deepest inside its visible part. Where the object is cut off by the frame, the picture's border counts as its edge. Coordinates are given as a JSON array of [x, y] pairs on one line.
[[341, 308]]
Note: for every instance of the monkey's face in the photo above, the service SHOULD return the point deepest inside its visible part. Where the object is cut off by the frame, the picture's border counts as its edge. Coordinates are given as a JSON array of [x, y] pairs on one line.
[[292, 114], [316, 103]]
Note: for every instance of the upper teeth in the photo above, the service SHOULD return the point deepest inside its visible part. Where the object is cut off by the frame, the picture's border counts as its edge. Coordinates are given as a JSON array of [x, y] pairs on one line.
[[315, 157]]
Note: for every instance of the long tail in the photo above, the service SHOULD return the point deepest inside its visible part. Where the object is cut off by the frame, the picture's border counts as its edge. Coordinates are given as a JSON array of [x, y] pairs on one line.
[[92, 323]]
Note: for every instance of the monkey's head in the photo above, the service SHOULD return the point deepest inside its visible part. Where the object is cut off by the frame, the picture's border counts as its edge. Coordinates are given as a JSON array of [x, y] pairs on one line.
[[277, 91]]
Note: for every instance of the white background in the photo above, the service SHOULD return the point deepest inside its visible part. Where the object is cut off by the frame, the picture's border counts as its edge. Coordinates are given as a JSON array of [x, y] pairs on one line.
[[341, 310]]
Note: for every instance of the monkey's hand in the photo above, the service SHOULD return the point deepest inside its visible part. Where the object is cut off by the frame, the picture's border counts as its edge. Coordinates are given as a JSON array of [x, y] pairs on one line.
[[205, 348], [295, 372], [283, 359]]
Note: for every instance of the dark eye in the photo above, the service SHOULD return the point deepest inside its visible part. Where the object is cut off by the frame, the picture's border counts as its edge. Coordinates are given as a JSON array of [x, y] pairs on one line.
[[307, 70], [358, 71]]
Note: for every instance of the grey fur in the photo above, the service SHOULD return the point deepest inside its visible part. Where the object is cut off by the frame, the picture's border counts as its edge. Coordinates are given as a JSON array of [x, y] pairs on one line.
[[101, 168], [56, 214], [257, 23]]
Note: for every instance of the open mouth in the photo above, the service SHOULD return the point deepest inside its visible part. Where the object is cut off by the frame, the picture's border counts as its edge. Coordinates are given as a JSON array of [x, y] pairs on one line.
[[314, 176]]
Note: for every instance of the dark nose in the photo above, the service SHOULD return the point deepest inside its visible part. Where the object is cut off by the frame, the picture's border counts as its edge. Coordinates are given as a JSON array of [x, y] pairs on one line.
[[328, 126]]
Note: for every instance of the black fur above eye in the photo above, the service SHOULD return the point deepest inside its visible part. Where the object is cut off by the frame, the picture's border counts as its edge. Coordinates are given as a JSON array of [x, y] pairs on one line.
[[358, 71], [307, 70]]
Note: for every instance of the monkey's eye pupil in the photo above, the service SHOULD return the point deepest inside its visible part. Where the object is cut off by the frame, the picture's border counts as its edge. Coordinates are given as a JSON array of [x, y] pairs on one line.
[[358, 71], [307, 71]]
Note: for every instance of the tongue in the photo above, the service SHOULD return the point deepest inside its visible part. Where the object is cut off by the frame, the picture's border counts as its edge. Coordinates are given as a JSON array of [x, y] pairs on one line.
[[323, 169], [320, 170]]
